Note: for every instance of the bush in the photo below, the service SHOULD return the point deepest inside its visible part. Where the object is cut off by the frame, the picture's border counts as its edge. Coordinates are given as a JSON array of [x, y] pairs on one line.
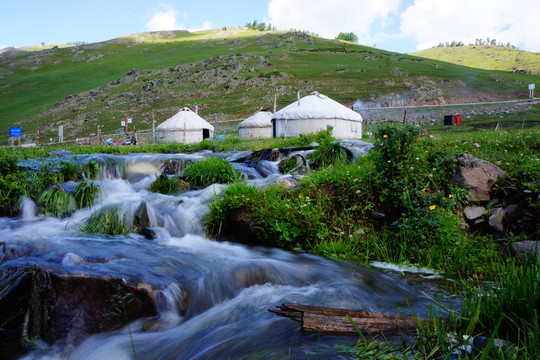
[[85, 193], [165, 185], [211, 171], [57, 202], [8, 165], [106, 220], [328, 153]]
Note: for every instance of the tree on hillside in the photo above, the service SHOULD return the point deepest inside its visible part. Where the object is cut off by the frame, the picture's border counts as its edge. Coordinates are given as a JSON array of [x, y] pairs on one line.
[[347, 37], [255, 25]]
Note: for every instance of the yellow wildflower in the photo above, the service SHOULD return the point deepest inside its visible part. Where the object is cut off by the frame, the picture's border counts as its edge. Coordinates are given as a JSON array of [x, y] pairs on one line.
[[385, 136], [450, 196], [432, 207]]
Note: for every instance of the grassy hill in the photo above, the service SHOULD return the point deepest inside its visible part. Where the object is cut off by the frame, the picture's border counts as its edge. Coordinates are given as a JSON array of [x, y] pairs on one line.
[[227, 73], [487, 57]]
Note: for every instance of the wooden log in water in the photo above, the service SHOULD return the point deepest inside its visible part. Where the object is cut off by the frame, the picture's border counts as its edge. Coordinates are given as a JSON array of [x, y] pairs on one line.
[[325, 320]]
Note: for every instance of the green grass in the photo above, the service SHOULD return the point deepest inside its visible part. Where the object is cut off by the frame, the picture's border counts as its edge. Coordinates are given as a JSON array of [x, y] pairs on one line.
[[106, 220], [486, 57], [211, 171]]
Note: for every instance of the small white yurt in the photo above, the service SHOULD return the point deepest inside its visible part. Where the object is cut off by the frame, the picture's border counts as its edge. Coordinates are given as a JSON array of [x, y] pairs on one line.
[[316, 112], [184, 127], [257, 126]]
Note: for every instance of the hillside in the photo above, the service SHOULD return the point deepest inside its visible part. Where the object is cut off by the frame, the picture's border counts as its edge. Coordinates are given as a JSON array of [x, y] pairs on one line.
[[227, 73], [486, 57]]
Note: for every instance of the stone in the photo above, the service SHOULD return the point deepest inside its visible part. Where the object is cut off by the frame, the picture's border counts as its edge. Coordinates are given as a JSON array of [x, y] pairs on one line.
[[477, 175], [474, 212], [513, 212], [149, 233], [377, 215], [296, 164], [526, 249], [500, 349], [496, 219], [40, 304], [140, 218], [287, 181]]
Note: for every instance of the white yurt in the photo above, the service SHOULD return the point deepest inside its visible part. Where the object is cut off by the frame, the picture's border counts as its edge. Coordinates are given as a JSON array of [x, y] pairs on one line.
[[316, 112], [184, 127], [257, 126]]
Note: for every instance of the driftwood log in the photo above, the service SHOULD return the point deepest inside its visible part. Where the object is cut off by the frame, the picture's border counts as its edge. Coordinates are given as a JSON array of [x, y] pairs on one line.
[[325, 320]]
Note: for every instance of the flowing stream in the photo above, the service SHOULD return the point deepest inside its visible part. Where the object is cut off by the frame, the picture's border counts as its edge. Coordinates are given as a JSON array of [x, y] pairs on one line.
[[212, 298]]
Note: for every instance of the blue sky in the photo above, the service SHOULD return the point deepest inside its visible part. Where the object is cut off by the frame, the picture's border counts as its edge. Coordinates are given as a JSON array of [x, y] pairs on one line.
[[397, 25]]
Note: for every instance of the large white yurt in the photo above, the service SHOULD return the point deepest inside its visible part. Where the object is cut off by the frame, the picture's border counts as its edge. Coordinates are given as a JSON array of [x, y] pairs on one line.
[[316, 112], [184, 127], [257, 126]]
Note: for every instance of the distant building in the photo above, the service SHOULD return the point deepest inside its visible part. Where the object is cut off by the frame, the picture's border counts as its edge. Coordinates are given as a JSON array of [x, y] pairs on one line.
[[257, 126], [316, 112], [184, 127]]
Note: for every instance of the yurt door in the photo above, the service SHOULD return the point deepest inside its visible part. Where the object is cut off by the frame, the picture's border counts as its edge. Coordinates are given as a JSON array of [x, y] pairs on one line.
[[205, 133]]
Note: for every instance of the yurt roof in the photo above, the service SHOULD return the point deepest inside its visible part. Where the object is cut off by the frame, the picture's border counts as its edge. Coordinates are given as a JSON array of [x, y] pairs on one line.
[[261, 118], [316, 106], [185, 119]]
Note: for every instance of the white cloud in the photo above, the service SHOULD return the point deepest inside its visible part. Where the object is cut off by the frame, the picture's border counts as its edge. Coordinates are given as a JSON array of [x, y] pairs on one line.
[[329, 18], [165, 19], [430, 22], [206, 25]]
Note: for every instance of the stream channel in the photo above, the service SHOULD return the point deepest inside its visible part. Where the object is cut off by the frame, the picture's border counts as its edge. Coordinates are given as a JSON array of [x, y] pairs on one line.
[[211, 298]]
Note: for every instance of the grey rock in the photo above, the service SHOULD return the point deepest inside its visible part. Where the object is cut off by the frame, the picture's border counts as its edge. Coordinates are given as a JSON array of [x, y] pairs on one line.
[[474, 212], [477, 175], [496, 219], [500, 349], [526, 249], [149, 233], [513, 212]]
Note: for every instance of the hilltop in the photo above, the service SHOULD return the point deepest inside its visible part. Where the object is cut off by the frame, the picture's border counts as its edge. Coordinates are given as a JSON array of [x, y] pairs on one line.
[[488, 57], [227, 73]]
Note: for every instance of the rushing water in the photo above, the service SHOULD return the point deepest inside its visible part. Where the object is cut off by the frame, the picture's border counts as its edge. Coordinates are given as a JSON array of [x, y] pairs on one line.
[[212, 297]]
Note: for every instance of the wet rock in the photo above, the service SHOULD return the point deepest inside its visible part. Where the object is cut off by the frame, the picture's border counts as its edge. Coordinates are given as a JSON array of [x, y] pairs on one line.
[[296, 164], [525, 249], [477, 175], [149, 233], [71, 259], [496, 219], [474, 212], [38, 304], [500, 349], [173, 166], [141, 219]]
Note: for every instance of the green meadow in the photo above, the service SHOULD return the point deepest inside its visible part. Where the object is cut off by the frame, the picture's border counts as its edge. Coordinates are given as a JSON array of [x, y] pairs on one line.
[[227, 74]]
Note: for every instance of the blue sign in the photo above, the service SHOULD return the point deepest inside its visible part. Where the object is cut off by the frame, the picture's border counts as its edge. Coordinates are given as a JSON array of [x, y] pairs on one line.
[[15, 132]]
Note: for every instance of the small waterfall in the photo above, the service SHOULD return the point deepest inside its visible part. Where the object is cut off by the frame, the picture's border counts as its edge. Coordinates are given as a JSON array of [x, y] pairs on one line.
[[27, 208]]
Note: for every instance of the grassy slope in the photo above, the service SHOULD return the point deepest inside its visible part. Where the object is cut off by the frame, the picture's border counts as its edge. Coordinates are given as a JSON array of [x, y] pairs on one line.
[[345, 71], [486, 57]]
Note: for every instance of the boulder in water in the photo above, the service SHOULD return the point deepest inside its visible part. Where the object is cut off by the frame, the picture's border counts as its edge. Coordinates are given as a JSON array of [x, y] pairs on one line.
[[37, 304]]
